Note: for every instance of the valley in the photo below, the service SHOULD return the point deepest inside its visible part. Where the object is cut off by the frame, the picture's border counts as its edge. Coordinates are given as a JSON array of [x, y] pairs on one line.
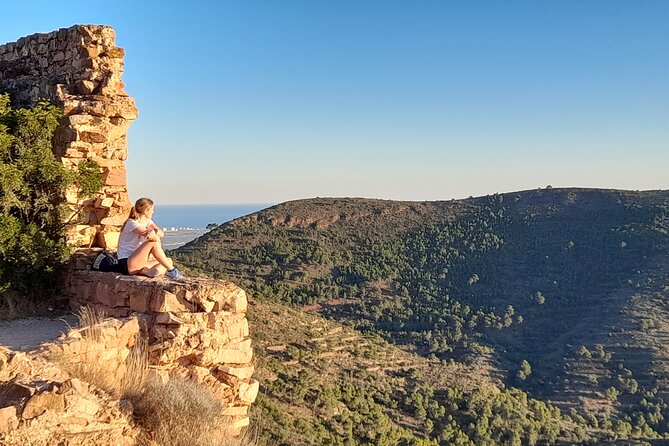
[[559, 293]]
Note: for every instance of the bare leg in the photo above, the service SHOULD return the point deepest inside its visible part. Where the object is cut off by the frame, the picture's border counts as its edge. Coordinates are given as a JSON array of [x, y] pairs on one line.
[[160, 258], [152, 269], [140, 258]]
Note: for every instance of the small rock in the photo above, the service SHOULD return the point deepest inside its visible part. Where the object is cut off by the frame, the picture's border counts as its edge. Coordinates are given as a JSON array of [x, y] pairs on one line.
[[73, 421], [75, 385], [40, 403], [249, 392], [86, 406], [8, 419], [13, 393]]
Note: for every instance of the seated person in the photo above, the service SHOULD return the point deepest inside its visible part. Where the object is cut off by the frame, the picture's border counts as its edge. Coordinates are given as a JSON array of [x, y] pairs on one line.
[[139, 248]]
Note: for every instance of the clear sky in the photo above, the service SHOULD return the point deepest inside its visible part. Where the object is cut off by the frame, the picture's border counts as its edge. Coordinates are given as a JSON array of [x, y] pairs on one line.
[[267, 101]]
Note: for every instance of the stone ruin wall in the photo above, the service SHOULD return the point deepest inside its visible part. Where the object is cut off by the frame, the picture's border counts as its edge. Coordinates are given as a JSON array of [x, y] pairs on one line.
[[44, 406], [195, 329], [79, 69]]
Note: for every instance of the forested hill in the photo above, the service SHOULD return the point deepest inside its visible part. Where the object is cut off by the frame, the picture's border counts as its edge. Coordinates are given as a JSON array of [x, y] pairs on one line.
[[564, 292]]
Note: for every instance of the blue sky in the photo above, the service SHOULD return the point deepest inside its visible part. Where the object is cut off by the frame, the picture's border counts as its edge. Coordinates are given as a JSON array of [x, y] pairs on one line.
[[267, 101]]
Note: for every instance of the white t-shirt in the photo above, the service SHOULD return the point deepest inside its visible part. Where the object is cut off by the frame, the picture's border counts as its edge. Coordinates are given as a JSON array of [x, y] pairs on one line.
[[129, 241]]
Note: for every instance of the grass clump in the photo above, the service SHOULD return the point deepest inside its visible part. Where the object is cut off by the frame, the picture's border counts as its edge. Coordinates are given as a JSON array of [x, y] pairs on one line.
[[178, 412], [90, 320], [75, 362]]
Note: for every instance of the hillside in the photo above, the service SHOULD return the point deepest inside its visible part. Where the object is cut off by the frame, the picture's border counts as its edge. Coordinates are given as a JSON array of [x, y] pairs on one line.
[[326, 384], [561, 291]]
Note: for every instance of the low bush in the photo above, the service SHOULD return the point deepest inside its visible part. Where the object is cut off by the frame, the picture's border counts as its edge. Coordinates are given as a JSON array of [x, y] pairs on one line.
[[178, 412], [33, 182]]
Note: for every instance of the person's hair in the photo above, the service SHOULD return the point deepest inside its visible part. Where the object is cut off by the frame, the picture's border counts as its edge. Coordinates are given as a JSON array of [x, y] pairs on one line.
[[141, 206]]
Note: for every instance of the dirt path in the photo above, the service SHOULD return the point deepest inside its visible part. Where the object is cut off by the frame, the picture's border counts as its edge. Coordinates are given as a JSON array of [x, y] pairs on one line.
[[28, 334]]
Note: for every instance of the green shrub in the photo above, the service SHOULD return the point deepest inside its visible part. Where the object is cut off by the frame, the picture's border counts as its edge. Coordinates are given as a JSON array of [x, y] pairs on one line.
[[32, 189]]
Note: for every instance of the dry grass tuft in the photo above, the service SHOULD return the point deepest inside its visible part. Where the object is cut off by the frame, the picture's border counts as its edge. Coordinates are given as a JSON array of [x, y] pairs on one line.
[[183, 413], [89, 322], [98, 376], [177, 413], [137, 370]]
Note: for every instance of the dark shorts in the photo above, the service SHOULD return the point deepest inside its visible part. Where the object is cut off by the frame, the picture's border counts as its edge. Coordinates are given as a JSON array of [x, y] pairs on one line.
[[123, 266]]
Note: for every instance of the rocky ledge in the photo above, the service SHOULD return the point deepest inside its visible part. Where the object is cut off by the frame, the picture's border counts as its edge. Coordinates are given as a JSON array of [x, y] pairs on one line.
[[195, 328]]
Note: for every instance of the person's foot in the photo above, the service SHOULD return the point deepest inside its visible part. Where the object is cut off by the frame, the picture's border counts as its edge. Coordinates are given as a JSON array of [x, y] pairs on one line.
[[174, 273]]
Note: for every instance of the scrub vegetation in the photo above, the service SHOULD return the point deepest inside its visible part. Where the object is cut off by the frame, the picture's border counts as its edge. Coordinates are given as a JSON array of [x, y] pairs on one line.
[[33, 216], [560, 292]]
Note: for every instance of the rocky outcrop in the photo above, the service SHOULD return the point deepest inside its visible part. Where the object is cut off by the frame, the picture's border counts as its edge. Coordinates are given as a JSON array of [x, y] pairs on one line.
[[107, 345], [68, 392], [41, 405], [79, 69], [196, 329]]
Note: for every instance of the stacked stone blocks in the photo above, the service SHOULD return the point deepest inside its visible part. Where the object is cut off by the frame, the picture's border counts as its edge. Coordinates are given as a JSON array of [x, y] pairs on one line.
[[196, 329], [56, 410], [79, 69]]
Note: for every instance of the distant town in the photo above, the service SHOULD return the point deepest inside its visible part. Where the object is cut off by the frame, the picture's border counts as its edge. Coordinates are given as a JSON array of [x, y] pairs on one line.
[[179, 236]]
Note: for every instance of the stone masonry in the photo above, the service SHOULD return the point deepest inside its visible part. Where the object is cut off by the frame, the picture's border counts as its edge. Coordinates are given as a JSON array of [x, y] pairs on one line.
[[195, 328], [43, 406], [79, 69]]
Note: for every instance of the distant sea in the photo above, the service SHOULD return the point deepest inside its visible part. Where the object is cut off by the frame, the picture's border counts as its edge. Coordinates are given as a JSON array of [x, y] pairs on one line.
[[183, 223], [199, 216]]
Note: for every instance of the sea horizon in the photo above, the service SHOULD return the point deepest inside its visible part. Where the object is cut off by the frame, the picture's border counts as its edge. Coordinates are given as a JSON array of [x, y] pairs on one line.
[[198, 216]]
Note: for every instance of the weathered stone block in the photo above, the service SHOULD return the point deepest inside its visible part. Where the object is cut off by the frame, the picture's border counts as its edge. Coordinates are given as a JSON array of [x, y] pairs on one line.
[[232, 353], [115, 177], [169, 319], [166, 301], [231, 298], [108, 295], [249, 392], [238, 329], [241, 423], [114, 220], [8, 419], [236, 411], [40, 403], [128, 333], [242, 372], [140, 297], [108, 238]]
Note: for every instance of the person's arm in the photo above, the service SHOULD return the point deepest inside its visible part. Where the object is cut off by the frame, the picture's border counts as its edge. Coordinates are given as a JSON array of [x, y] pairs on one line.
[[159, 232], [144, 231]]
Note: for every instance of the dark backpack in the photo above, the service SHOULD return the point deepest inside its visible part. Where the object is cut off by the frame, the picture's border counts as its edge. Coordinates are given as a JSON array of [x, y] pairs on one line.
[[105, 262]]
